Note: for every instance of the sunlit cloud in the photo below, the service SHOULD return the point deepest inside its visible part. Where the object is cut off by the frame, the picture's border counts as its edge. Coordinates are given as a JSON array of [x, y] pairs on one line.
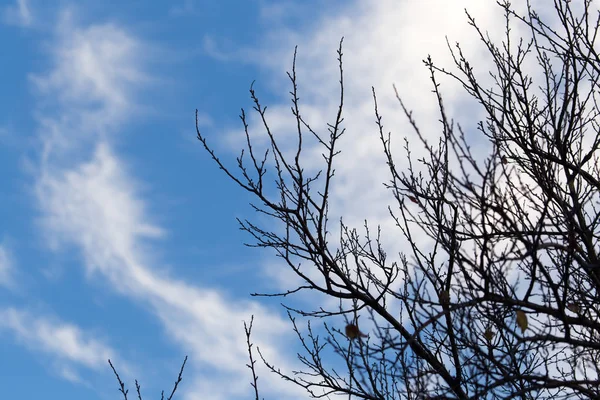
[[384, 45]]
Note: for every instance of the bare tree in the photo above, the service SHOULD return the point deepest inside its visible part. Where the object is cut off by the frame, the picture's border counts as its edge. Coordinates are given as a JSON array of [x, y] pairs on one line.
[[504, 304]]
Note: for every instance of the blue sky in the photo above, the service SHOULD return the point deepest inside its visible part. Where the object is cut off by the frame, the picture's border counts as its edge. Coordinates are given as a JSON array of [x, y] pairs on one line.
[[118, 236]]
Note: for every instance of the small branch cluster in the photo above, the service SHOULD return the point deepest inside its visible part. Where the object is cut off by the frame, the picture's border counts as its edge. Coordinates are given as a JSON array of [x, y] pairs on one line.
[[124, 391]]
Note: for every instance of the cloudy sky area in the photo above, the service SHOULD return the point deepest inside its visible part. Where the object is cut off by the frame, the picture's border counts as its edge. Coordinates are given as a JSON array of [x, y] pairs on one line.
[[118, 236]]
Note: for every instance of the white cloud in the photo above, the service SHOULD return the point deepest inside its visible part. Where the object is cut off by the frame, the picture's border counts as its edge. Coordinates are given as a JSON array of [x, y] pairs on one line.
[[276, 12], [70, 374], [6, 267], [91, 88], [98, 65], [95, 208], [183, 8], [71, 197], [18, 14], [4, 133], [90, 201], [64, 341], [384, 44]]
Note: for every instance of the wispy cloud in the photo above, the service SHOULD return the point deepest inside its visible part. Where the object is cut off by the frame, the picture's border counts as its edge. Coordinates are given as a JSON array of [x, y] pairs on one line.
[[88, 93], [18, 14], [64, 341], [90, 200], [183, 8], [94, 207], [6, 267], [98, 64], [4, 133]]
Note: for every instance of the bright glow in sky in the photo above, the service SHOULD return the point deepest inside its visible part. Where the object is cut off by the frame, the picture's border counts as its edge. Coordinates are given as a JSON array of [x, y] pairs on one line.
[[118, 236]]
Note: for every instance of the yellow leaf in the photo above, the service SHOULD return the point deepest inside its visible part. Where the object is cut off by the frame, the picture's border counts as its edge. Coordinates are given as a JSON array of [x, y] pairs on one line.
[[522, 320]]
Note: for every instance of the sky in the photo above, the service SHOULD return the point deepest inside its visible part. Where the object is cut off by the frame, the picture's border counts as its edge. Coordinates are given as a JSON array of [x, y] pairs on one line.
[[118, 234]]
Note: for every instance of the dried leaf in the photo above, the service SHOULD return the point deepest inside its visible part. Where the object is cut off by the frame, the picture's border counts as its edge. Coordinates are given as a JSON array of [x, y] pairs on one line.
[[444, 297], [574, 307], [413, 199], [352, 332], [504, 160], [522, 320], [489, 334]]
